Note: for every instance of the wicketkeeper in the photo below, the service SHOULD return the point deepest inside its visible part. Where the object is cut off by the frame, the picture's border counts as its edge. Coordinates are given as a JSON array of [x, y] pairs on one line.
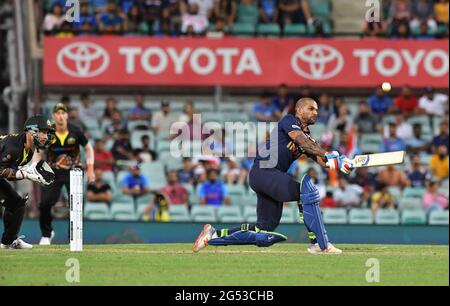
[[20, 158]]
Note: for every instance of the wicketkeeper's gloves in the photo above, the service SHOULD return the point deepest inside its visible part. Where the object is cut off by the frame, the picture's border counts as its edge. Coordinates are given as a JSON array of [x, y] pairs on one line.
[[39, 172]]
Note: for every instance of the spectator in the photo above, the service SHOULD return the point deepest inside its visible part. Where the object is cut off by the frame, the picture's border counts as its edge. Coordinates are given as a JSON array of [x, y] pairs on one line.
[[328, 201], [54, 20], [153, 12], [342, 121], [268, 11], [100, 6], [265, 110], [110, 109], [391, 176], [186, 174], [249, 159], [422, 10], [442, 138], [145, 154], [104, 160], [65, 31], [139, 111], [439, 164], [225, 10], [116, 126], [134, 183], [126, 5], [121, 149], [213, 192], [174, 194], [441, 12], [233, 174], [205, 7], [417, 174], [219, 29], [86, 18], [404, 130], [191, 18], [111, 21], [294, 11], [247, 12], [325, 109], [163, 120], [347, 195], [433, 104], [382, 199], [374, 29], [406, 103], [392, 142], [365, 121], [136, 23], [424, 32], [66, 101], [380, 102], [366, 180], [417, 144], [306, 91], [282, 101], [74, 119], [433, 199], [172, 14], [99, 191], [87, 112]]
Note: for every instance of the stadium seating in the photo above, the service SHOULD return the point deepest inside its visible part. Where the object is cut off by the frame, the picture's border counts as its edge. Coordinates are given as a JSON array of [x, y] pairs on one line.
[[249, 200], [96, 211], [243, 29], [123, 212], [290, 215], [229, 214], [410, 203], [136, 136], [335, 215], [414, 217], [179, 213], [203, 214], [250, 214], [387, 217], [438, 217], [413, 192], [270, 29], [360, 216], [294, 30]]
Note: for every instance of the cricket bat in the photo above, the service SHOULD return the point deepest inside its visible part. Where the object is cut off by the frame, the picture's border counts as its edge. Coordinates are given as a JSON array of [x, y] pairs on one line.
[[379, 159]]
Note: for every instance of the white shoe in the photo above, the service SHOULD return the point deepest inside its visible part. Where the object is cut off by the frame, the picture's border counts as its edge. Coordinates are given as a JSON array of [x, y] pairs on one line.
[[315, 249], [207, 234], [47, 240], [17, 244]]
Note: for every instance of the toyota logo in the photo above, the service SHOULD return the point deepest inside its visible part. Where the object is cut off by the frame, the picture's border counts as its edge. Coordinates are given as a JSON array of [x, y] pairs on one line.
[[83, 59], [317, 62]]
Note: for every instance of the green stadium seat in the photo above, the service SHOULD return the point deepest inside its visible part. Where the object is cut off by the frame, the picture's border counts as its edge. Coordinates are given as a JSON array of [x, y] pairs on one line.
[[230, 107], [202, 106], [205, 214], [133, 124], [320, 8], [170, 162], [290, 215], [407, 203], [270, 29], [335, 215], [96, 211], [396, 192], [387, 217], [144, 199], [140, 210], [243, 29], [123, 212], [236, 190], [438, 217], [179, 213], [295, 30], [416, 217], [235, 199], [212, 117], [235, 117], [123, 198], [360, 216], [154, 171], [229, 214], [371, 142], [413, 192], [424, 121], [163, 146], [250, 214], [249, 200]]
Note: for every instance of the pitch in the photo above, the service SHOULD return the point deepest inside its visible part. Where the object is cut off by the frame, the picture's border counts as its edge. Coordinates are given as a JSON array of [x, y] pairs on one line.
[[175, 264]]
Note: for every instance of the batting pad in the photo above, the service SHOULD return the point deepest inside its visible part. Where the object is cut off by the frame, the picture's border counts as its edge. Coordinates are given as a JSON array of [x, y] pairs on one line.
[[261, 239]]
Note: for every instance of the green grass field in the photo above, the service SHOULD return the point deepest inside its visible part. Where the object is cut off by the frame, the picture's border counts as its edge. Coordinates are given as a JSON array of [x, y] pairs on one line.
[[175, 264]]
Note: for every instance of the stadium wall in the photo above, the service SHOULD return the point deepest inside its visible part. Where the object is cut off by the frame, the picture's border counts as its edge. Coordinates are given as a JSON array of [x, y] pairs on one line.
[[99, 232]]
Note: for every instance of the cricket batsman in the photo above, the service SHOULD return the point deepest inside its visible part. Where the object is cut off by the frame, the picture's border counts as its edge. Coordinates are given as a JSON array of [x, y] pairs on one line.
[[273, 186], [20, 158], [63, 155]]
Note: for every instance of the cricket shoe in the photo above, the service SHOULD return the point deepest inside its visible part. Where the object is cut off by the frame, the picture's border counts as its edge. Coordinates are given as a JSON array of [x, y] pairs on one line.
[[207, 234], [17, 244], [47, 240], [315, 249]]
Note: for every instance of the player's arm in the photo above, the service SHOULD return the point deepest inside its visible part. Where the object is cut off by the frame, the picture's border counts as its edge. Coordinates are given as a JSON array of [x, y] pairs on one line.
[[311, 148], [90, 159]]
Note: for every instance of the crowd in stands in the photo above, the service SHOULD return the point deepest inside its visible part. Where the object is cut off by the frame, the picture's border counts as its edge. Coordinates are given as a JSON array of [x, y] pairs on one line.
[[423, 19], [132, 150]]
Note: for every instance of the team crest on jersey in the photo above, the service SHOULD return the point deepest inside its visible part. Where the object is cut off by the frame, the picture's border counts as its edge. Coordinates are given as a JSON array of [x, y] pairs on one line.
[[49, 124], [71, 141]]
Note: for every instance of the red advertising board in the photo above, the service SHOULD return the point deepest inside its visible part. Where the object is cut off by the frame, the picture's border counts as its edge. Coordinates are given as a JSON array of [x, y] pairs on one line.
[[244, 62]]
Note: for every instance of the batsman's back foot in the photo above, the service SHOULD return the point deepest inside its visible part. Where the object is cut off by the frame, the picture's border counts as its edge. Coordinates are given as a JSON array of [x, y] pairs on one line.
[[315, 249], [207, 233]]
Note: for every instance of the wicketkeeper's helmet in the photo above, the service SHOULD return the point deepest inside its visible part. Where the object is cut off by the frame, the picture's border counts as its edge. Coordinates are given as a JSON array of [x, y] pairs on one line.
[[40, 123]]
